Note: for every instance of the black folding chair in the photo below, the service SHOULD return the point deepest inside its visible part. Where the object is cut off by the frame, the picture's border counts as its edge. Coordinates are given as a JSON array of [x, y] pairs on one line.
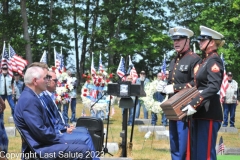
[[29, 151], [95, 128]]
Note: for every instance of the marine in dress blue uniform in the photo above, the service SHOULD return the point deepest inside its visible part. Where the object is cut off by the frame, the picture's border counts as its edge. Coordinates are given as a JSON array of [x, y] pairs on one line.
[[206, 108], [181, 75]]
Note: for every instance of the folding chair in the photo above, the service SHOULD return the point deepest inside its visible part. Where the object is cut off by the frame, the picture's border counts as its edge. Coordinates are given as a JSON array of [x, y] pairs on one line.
[[95, 128], [29, 150]]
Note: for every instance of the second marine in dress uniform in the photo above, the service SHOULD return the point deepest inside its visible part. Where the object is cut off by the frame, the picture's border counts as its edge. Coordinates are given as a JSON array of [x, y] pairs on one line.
[[206, 107], [181, 75]]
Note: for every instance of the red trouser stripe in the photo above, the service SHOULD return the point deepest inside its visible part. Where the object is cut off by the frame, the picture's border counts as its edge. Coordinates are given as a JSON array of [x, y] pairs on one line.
[[209, 140]]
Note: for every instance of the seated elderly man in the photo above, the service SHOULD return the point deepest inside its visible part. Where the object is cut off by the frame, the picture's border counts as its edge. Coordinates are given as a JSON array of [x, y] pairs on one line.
[[31, 118], [70, 133]]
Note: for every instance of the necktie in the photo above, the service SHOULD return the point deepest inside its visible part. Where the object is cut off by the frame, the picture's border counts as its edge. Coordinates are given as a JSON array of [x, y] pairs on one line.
[[48, 110], [53, 107]]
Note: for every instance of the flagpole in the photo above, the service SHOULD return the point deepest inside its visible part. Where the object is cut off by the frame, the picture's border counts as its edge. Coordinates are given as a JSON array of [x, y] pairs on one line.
[[3, 52], [54, 57]]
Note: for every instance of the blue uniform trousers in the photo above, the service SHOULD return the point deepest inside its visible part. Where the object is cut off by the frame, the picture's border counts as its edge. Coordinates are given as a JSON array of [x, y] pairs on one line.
[[178, 133], [204, 137]]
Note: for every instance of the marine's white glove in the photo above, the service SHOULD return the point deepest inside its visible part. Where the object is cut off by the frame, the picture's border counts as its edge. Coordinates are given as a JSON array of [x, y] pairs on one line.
[[168, 89], [190, 110]]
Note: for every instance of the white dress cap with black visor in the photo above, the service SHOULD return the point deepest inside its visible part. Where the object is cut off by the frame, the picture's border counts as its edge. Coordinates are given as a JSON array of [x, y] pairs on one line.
[[207, 33], [180, 33]]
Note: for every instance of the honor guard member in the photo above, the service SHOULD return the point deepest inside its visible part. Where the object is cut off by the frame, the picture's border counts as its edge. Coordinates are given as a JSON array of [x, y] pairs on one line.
[[181, 75], [206, 108]]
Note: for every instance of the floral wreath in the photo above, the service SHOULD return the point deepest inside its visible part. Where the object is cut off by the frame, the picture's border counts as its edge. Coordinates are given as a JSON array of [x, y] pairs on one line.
[[95, 85], [64, 86], [150, 103]]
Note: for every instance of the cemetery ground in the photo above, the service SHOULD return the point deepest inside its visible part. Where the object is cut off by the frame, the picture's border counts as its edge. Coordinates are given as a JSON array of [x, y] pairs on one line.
[[150, 149]]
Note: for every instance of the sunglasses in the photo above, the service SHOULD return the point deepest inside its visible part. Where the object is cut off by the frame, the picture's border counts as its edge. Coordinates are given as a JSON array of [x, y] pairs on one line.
[[4, 68], [55, 80]]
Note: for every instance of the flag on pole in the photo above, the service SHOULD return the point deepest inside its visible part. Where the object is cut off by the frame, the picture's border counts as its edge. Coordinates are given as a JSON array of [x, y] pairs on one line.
[[121, 69], [14, 62], [18, 63], [133, 71], [44, 57], [221, 145], [224, 84], [93, 70], [100, 63], [58, 60], [164, 66], [6, 60]]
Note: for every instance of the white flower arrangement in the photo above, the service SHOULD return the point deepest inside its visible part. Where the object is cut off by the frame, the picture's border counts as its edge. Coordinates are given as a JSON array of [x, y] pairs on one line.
[[64, 87], [150, 103]]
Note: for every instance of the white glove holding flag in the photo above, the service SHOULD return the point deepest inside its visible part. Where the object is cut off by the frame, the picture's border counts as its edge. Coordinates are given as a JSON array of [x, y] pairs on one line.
[[190, 110], [168, 89]]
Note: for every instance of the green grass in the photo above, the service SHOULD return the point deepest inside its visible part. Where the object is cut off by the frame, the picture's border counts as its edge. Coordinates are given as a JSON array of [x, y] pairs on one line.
[[228, 157], [150, 149]]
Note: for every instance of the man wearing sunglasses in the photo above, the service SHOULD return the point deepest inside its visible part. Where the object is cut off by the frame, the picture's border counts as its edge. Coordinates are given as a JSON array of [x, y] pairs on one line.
[[230, 101], [79, 135]]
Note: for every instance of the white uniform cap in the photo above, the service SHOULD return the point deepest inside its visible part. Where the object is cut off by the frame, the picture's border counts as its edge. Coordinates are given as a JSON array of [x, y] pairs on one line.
[[207, 33], [180, 32]]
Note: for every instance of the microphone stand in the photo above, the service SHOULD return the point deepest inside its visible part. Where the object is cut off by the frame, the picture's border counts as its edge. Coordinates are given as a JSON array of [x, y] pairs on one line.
[[105, 149]]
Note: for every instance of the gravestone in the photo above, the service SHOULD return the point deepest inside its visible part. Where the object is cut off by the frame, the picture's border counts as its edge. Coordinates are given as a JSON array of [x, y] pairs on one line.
[[231, 151], [228, 129], [162, 135], [112, 147], [11, 131], [10, 119], [142, 121], [151, 128]]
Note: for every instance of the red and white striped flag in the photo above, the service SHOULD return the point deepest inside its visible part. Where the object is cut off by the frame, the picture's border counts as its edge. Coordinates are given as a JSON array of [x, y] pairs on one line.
[[121, 69], [93, 70], [224, 84], [14, 62], [100, 63], [133, 71], [221, 145]]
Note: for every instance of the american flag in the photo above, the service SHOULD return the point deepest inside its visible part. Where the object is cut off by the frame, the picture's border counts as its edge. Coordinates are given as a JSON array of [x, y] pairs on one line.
[[133, 71], [221, 145], [100, 63], [58, 61], [164, 66], [44, 57], [18, 63], [15, 63], [121, 69], [93, 70], [6, 60], [224, 84]]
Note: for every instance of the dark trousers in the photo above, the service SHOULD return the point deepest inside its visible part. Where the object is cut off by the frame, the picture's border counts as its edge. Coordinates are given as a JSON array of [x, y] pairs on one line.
[[229, 109]]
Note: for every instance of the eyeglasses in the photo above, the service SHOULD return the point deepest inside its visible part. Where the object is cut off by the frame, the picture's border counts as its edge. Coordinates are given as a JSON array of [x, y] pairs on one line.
[[55, 80], [4, 68]]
